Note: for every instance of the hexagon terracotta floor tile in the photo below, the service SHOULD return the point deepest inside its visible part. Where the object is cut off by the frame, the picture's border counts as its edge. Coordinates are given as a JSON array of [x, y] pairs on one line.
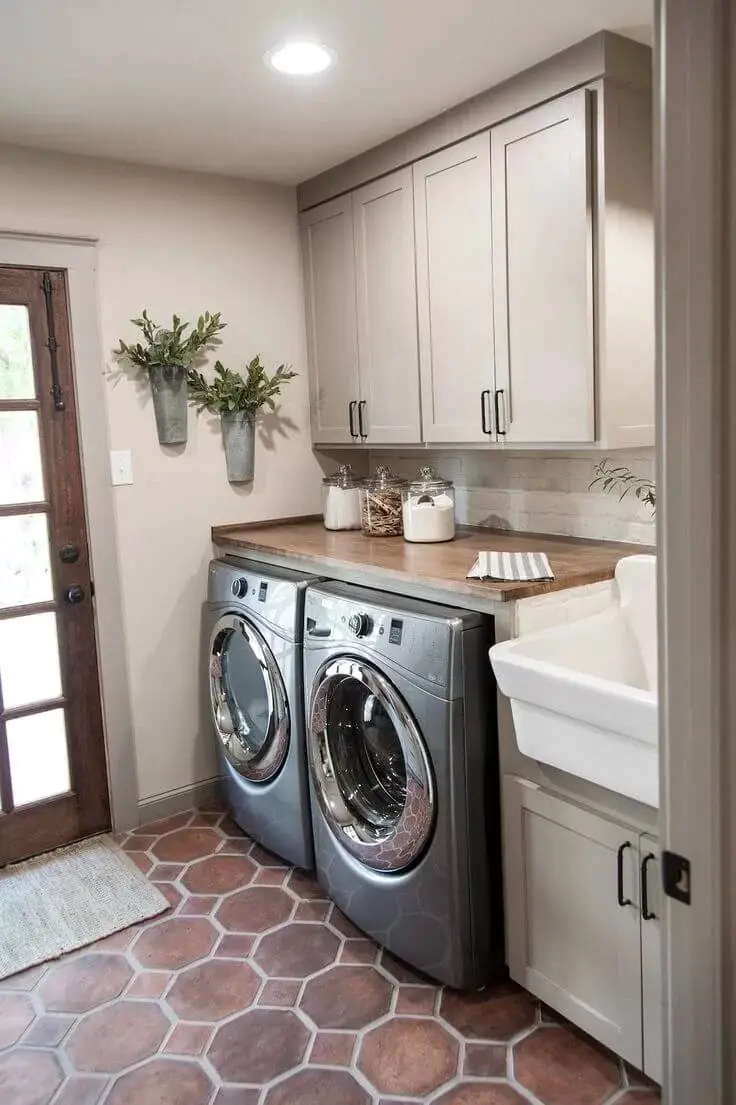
[[255, 990]]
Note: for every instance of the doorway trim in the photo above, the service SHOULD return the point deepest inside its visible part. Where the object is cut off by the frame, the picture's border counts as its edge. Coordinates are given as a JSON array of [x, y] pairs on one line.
[[696, 185], [79, 256]]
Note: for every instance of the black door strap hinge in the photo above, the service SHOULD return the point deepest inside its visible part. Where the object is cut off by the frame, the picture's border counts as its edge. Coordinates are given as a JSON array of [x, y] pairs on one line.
[[676, 877], [52, 344]]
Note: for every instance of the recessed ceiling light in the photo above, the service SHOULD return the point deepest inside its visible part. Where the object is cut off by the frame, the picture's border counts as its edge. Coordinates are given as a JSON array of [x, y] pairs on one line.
[[300, 58]]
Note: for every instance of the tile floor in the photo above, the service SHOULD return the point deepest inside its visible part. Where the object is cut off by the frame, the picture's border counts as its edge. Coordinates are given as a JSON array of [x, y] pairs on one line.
[[255, 990]]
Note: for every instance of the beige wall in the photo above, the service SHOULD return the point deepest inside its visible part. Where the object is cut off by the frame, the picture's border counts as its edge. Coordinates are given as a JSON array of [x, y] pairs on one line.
[[178, 242]]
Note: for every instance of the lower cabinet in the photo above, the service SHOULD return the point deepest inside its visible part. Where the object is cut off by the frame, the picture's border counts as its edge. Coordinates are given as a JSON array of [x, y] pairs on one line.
[[582, 932]]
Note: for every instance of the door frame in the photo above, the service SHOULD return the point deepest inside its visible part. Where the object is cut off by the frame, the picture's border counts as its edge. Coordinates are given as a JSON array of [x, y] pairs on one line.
[[79, 257], [696, 353]]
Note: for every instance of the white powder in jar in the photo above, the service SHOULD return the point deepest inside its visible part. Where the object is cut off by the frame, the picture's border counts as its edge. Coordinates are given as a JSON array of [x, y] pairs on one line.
[[342, 508], [429, 520]]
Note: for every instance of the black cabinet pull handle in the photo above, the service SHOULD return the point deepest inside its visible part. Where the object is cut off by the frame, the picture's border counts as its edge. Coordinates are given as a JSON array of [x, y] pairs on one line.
[[497, 411], [622, 899], [351, 416], [647, 914], [483, 423], [361, 408]]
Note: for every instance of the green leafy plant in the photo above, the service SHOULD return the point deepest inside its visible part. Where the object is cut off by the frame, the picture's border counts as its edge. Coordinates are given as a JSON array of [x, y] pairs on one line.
[[230, 391], [618, 479], [162, 346]]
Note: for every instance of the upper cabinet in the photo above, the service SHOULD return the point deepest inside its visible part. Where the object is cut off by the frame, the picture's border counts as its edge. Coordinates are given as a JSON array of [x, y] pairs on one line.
[[332, 333], [452, 208], [383, 226], [361, 312], [542, 198], [499, 291]]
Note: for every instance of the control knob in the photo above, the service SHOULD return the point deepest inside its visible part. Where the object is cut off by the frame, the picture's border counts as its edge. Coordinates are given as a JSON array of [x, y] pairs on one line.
[[359, 625], [240, 587]]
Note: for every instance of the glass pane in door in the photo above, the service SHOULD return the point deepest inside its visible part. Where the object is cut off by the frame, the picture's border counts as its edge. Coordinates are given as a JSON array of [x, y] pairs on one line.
[[25, 567], [21, 473], [16, 358], [29, 660], [39, 764]]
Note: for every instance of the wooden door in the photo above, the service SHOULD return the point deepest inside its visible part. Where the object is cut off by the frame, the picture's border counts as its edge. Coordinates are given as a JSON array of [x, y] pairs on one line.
[[452, 204], [543, 273], [332, 326], [383, 222], [53, 778], [569, 940], [651, 956]]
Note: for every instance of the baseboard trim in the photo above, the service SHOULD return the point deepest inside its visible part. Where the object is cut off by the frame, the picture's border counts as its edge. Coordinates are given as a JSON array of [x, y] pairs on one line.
[[175, 801]]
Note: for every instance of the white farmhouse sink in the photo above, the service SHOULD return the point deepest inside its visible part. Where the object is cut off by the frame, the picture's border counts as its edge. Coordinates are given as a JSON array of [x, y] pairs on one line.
[[584, 695]]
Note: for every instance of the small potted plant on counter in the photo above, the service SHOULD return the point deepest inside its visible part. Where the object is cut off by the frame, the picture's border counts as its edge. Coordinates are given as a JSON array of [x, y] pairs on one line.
[[167, 355], [238, 400]]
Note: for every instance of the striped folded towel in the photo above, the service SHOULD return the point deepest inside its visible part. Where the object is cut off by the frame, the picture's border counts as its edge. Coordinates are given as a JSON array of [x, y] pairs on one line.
[[511, 566]]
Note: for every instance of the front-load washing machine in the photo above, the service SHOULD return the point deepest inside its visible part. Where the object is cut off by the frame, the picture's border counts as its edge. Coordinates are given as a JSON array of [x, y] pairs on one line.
[[403, 756], [255, 616]]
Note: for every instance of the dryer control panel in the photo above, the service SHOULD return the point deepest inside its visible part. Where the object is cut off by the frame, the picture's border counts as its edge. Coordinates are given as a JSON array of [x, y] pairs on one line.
[[422, 639]]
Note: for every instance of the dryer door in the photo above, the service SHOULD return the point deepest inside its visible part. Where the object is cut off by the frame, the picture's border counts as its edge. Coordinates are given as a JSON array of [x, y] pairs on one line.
[[369, 765], [248, 697]]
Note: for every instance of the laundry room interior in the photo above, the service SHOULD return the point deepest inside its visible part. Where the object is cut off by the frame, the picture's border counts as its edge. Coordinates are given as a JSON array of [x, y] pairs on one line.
[[329, 729]]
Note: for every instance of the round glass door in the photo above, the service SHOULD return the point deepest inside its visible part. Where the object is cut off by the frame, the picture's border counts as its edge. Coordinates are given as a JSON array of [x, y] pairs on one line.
[[369, 765], [248, 698]]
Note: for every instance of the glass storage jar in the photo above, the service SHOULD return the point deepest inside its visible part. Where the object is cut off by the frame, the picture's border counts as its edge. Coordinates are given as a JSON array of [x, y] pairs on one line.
[[381, 503], [341, 500], [429, 508]]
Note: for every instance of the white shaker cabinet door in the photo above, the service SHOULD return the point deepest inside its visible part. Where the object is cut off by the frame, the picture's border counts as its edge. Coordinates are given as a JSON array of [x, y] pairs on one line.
[[570, 940], [651, 956], [452, 205], [388, 354], [543, 273], [332, 326]]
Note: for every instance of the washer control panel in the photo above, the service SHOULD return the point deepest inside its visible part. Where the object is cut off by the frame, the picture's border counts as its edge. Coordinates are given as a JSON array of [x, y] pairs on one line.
[[360, 625]]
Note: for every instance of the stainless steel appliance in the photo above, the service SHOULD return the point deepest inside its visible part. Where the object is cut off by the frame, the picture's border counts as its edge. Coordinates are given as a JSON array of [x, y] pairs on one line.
[[402, 746], [254, 675]]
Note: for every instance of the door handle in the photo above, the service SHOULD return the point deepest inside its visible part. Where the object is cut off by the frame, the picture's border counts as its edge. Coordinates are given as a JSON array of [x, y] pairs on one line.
[[74, 594], [497, 396], [361, 409], [483, 423], [622, 899], [647, 914], [351, 417]]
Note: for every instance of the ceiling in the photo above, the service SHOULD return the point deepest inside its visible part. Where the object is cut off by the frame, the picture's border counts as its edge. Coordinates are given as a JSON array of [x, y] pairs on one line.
[[182, 83]]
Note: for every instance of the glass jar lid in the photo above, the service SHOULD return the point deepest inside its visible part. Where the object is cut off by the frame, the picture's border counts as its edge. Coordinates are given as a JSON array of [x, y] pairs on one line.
[[344, 477], [427, 482], [383, 478]]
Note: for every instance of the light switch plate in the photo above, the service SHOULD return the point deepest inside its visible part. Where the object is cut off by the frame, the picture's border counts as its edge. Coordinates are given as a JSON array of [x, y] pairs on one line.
[[121, 466]]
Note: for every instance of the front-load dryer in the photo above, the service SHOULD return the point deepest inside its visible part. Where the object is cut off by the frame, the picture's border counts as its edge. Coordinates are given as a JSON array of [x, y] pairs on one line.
[[403, 756], [254, 682]]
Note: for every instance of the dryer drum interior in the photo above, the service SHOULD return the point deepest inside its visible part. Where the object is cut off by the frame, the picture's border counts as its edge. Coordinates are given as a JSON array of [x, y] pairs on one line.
[[248, 698], [370, 769]]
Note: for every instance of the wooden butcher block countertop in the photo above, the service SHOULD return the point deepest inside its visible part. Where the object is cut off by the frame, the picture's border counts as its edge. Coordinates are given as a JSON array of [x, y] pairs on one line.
[[304, 543]]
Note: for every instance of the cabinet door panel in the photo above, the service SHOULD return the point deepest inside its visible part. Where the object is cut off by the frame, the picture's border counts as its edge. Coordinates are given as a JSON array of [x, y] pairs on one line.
[[383, 220], [543, 272], [651, 958], [568, 940], [452, 204], [332, 326]]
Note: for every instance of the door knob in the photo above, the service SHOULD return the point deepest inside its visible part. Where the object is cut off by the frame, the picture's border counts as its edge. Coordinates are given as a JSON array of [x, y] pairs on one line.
[[74, 594]]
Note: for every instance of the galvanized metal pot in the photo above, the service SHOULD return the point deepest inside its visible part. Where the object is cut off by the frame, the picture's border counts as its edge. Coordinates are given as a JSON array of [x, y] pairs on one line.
[[239, 439], [169, 390]]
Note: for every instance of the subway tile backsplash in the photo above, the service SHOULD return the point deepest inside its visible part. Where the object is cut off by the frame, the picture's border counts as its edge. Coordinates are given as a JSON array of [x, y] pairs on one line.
[[538, 493]]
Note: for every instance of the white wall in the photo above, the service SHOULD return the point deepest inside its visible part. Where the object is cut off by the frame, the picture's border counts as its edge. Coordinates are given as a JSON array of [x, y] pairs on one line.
[[186, 243], [538, 493]]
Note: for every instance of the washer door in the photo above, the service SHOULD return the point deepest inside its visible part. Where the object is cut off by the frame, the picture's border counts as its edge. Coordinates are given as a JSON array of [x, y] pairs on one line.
[[249, 705], [369, 766]]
